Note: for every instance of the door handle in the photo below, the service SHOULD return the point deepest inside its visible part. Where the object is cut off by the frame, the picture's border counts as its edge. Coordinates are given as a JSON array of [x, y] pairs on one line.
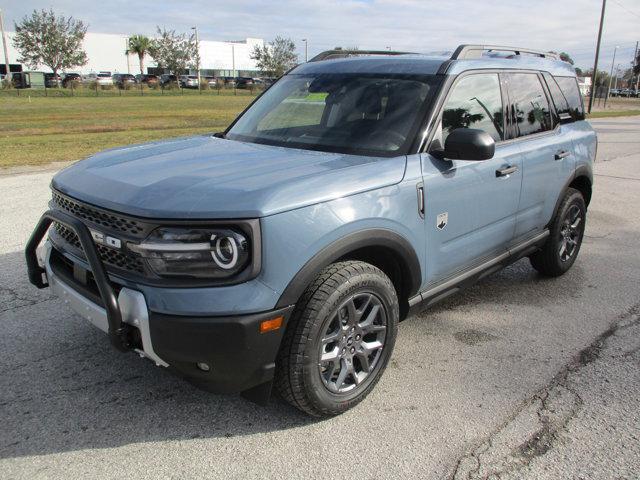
[[503, 172], [562, 154]]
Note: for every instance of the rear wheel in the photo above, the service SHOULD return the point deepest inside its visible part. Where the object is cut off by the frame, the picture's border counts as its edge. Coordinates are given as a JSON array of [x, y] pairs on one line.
[[566, 233], [339, 341]]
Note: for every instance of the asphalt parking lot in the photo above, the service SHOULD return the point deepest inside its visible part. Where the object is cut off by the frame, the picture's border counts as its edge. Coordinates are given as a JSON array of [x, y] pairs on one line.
[[517, 377]]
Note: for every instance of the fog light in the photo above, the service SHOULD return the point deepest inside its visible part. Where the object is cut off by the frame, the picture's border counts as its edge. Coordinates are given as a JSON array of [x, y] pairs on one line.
[[203, 366]]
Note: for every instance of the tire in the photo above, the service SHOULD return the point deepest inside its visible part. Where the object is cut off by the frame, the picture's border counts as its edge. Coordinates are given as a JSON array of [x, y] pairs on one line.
[[350, 308], [565, 237]]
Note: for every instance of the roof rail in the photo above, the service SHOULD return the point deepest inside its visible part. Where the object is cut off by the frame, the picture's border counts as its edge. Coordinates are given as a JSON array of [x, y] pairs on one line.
[[476, 51], [339, 53]]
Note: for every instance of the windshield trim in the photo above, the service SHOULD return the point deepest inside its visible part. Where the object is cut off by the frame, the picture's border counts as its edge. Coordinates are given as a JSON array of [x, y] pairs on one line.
[[410, 145]]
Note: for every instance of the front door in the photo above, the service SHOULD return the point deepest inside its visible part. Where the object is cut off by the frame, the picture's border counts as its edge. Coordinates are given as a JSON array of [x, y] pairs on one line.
[[470, 206]]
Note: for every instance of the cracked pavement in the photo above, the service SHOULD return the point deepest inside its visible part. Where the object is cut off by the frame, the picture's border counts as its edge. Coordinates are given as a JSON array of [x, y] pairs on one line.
[[517, 377]]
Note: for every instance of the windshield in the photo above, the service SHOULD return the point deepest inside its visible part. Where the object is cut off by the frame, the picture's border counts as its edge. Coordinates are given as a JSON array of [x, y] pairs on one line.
[[349, 113]]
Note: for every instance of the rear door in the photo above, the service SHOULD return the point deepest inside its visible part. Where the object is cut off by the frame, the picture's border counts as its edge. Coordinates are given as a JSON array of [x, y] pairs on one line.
[[470, 206], [548, 159]]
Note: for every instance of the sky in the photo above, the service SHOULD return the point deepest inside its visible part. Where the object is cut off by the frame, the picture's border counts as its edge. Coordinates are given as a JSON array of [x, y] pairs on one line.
[[407, 25]]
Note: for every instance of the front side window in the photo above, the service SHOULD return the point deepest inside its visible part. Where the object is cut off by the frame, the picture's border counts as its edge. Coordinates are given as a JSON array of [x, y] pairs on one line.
[[474, 102], [374, 114], [529, 109]]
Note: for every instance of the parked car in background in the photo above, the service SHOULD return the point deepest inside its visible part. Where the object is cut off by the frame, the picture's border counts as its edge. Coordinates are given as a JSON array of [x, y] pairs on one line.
[[102, 79], [244, 82], [122, 80], [149, 80], [268, 81], [70, 79], [614, 92], [166, 79], [20, 80], [52, 81], [211, 82], [227, 81], [189, 81]]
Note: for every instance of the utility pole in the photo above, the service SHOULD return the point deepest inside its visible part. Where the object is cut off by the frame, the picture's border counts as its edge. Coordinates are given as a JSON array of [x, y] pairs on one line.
[[4, 45], [197, 54], [595, 64], [306, 50], [635, 64], [610, 76]]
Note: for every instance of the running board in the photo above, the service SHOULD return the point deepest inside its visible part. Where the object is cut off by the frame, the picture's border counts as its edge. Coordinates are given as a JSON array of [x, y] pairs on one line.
[[454, 284]]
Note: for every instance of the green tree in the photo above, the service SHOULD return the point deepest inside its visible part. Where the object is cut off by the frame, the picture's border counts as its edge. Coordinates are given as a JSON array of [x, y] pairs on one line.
[[50, 40], [139, 45], [174, 52], [275, 58], [565, 57]]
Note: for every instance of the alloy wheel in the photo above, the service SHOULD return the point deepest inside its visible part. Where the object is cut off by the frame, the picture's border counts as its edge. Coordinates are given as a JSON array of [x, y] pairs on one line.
[[570, 232], [352, 343]]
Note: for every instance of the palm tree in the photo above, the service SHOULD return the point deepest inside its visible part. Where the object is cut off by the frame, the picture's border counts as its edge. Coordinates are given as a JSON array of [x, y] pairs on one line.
[[139, 44]]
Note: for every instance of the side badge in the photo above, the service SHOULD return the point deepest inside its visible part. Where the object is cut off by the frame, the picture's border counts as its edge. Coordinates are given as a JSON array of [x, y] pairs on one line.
[[441, 220]]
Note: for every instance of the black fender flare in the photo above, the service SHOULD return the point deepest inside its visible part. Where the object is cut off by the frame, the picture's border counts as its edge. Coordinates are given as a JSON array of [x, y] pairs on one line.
[[374, 237], [581, 171]]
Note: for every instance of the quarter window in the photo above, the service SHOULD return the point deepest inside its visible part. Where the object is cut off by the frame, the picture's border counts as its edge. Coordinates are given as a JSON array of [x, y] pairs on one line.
[[560, 102], [475, 102], [529, 109], [569, 87]]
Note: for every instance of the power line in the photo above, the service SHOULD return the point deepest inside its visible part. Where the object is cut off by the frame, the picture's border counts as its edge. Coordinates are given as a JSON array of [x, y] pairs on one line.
[[625, 8]]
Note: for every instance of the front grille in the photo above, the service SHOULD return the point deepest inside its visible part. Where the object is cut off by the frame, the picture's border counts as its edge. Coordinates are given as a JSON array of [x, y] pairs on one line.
[[98, 217], [110, 256]]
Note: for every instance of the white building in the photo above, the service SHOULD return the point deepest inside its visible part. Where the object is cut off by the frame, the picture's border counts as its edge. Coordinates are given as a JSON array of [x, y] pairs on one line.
[[585, 85], [106, 52]]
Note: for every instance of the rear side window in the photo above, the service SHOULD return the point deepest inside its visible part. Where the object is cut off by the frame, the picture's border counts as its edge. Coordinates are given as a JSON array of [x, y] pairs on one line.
[[474, 102], [529, 109], [569, 87], [559, 100]]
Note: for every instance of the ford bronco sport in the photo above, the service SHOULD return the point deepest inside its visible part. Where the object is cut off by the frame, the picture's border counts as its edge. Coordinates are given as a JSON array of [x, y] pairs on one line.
[[360, 187]]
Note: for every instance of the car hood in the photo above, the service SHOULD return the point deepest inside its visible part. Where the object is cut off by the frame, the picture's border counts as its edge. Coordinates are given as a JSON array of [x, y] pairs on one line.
[[208, 177]]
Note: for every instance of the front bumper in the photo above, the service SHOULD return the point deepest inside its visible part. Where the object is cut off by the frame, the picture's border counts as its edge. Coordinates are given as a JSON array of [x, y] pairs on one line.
[[238, 357]]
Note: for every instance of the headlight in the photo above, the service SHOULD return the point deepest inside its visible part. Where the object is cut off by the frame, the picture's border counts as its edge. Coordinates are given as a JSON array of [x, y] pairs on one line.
[[195, 252]]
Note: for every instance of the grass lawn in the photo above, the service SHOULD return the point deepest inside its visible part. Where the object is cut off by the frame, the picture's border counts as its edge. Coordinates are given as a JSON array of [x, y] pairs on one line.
[[44, 130], [613, 113]]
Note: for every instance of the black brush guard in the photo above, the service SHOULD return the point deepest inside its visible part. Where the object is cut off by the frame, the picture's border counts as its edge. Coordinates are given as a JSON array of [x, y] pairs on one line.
[[118, 330]]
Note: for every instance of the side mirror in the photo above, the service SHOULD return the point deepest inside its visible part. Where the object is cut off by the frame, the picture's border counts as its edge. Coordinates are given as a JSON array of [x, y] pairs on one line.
[[469, 144]]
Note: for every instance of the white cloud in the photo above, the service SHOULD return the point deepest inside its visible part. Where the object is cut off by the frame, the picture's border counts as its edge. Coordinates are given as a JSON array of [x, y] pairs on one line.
[[415, 25]]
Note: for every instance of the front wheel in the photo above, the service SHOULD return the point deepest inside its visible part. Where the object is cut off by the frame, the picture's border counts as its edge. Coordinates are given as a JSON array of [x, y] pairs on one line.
[[340, 338], [565, 237]]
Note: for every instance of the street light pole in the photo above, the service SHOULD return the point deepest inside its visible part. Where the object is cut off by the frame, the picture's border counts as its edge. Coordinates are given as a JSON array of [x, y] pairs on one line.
[[610, 76], [595, 64], [197, 54], [306, 50], [126, 52], [4, 45]]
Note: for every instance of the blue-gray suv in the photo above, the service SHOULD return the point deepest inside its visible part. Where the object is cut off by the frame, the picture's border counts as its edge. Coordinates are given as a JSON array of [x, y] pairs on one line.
[[359, 188]]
